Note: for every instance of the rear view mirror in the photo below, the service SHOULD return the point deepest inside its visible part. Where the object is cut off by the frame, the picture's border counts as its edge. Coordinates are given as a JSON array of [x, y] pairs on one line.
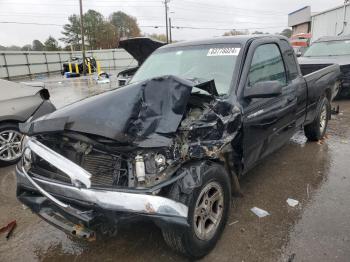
[[263, 89]]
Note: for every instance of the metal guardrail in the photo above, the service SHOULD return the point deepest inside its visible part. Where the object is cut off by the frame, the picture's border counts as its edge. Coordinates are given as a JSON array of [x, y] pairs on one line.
[[21, 64]]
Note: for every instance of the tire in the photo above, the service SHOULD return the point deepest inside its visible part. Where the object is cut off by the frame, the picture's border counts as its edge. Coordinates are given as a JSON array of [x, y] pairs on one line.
[[14, 142], [317, 129], [192, 243]]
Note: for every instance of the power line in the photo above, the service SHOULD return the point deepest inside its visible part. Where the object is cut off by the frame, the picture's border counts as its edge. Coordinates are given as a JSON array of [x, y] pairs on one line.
[[90, 5], [152, 26], [58, 15], [27, 23], [208, 8]]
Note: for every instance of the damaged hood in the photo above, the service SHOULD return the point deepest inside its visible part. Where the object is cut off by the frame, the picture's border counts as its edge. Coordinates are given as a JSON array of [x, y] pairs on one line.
[[144, 113], [140, 47]]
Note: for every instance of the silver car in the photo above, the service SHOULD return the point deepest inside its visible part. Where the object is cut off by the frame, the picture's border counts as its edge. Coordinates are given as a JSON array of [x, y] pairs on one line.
[[18, 103]]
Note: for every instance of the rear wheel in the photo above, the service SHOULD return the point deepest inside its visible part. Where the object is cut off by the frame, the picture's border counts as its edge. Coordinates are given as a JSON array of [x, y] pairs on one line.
[[209, 206], [10, 144], [317, 129]]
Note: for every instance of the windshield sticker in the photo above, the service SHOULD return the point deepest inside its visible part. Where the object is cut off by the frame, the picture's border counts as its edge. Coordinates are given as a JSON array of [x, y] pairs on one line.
[[232, 51], [179, 52]]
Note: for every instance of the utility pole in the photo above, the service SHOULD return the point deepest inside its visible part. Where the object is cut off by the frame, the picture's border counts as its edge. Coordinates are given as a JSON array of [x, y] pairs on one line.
[[82, 35], [170, 38], [166, 19]]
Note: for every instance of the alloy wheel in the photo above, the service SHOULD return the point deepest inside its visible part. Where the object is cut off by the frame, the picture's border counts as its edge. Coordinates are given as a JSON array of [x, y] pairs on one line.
[[208, 211], [10, 145]]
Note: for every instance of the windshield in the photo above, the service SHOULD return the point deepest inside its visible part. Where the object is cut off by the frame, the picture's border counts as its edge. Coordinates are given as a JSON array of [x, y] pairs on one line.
[[331, 48], [200, 63]]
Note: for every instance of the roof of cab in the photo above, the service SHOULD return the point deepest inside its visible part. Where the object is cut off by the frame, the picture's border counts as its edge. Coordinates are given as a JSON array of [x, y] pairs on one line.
[[240, 39]]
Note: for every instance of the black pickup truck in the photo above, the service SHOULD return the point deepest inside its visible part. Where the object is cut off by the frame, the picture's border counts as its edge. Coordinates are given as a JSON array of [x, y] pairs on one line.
[[172, 144]]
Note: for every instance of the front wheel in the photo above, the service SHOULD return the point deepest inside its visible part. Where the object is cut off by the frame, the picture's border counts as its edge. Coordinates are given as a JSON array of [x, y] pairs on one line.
[[209, 206], [317, 129], [10, 144]]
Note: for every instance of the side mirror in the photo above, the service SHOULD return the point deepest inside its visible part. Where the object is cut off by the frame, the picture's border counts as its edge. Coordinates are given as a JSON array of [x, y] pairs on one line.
[[299, 54], [263, 89]]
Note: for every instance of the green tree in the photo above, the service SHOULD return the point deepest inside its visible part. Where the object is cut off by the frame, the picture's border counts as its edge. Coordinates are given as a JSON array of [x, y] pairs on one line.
[[37, 46], [286, 32], [98, 32], [51, 44], [93, 25], [126, 26], [108, 37], [72, 33]]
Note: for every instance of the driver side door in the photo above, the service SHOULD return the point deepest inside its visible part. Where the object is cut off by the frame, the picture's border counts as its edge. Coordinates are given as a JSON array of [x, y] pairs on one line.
[[268, 123]]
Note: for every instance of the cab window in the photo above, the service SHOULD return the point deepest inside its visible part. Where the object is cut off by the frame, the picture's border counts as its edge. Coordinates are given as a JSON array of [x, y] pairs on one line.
[[267, 65]]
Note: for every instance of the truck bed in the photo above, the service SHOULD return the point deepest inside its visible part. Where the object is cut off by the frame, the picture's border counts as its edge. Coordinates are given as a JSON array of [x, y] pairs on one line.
[[317, 83]]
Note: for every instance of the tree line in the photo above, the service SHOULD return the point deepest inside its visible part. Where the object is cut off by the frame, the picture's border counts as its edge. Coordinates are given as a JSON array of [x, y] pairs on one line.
[[101, 33]]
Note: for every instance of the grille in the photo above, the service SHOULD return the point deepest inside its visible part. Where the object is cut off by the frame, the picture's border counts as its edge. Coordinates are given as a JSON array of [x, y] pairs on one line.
[[106, 170]]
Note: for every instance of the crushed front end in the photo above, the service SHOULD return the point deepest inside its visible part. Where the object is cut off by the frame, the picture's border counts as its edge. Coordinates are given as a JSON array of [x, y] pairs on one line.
[[91, 167], [61, 176]]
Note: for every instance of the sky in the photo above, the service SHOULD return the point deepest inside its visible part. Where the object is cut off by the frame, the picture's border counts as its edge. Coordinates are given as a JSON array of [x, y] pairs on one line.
[[203, 18]]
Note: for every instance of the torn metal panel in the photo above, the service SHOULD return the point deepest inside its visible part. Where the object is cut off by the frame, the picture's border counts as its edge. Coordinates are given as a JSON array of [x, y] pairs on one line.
[[141, 113]]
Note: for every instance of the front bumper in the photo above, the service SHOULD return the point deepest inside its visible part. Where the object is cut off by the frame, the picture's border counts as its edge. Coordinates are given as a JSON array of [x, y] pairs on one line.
[[62, 196]]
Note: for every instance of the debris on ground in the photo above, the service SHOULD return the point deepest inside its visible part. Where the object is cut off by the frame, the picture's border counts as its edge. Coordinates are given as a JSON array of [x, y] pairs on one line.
[[70, 75], [102, 78], [232, 223], [260, 212], [8, 228], [292, 202]]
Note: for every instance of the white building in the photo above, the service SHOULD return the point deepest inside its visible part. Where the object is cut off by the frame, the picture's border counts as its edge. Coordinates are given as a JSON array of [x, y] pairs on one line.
[[332, 22]]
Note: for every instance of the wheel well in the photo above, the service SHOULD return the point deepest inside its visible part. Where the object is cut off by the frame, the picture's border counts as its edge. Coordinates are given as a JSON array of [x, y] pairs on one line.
[[7, 121]]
